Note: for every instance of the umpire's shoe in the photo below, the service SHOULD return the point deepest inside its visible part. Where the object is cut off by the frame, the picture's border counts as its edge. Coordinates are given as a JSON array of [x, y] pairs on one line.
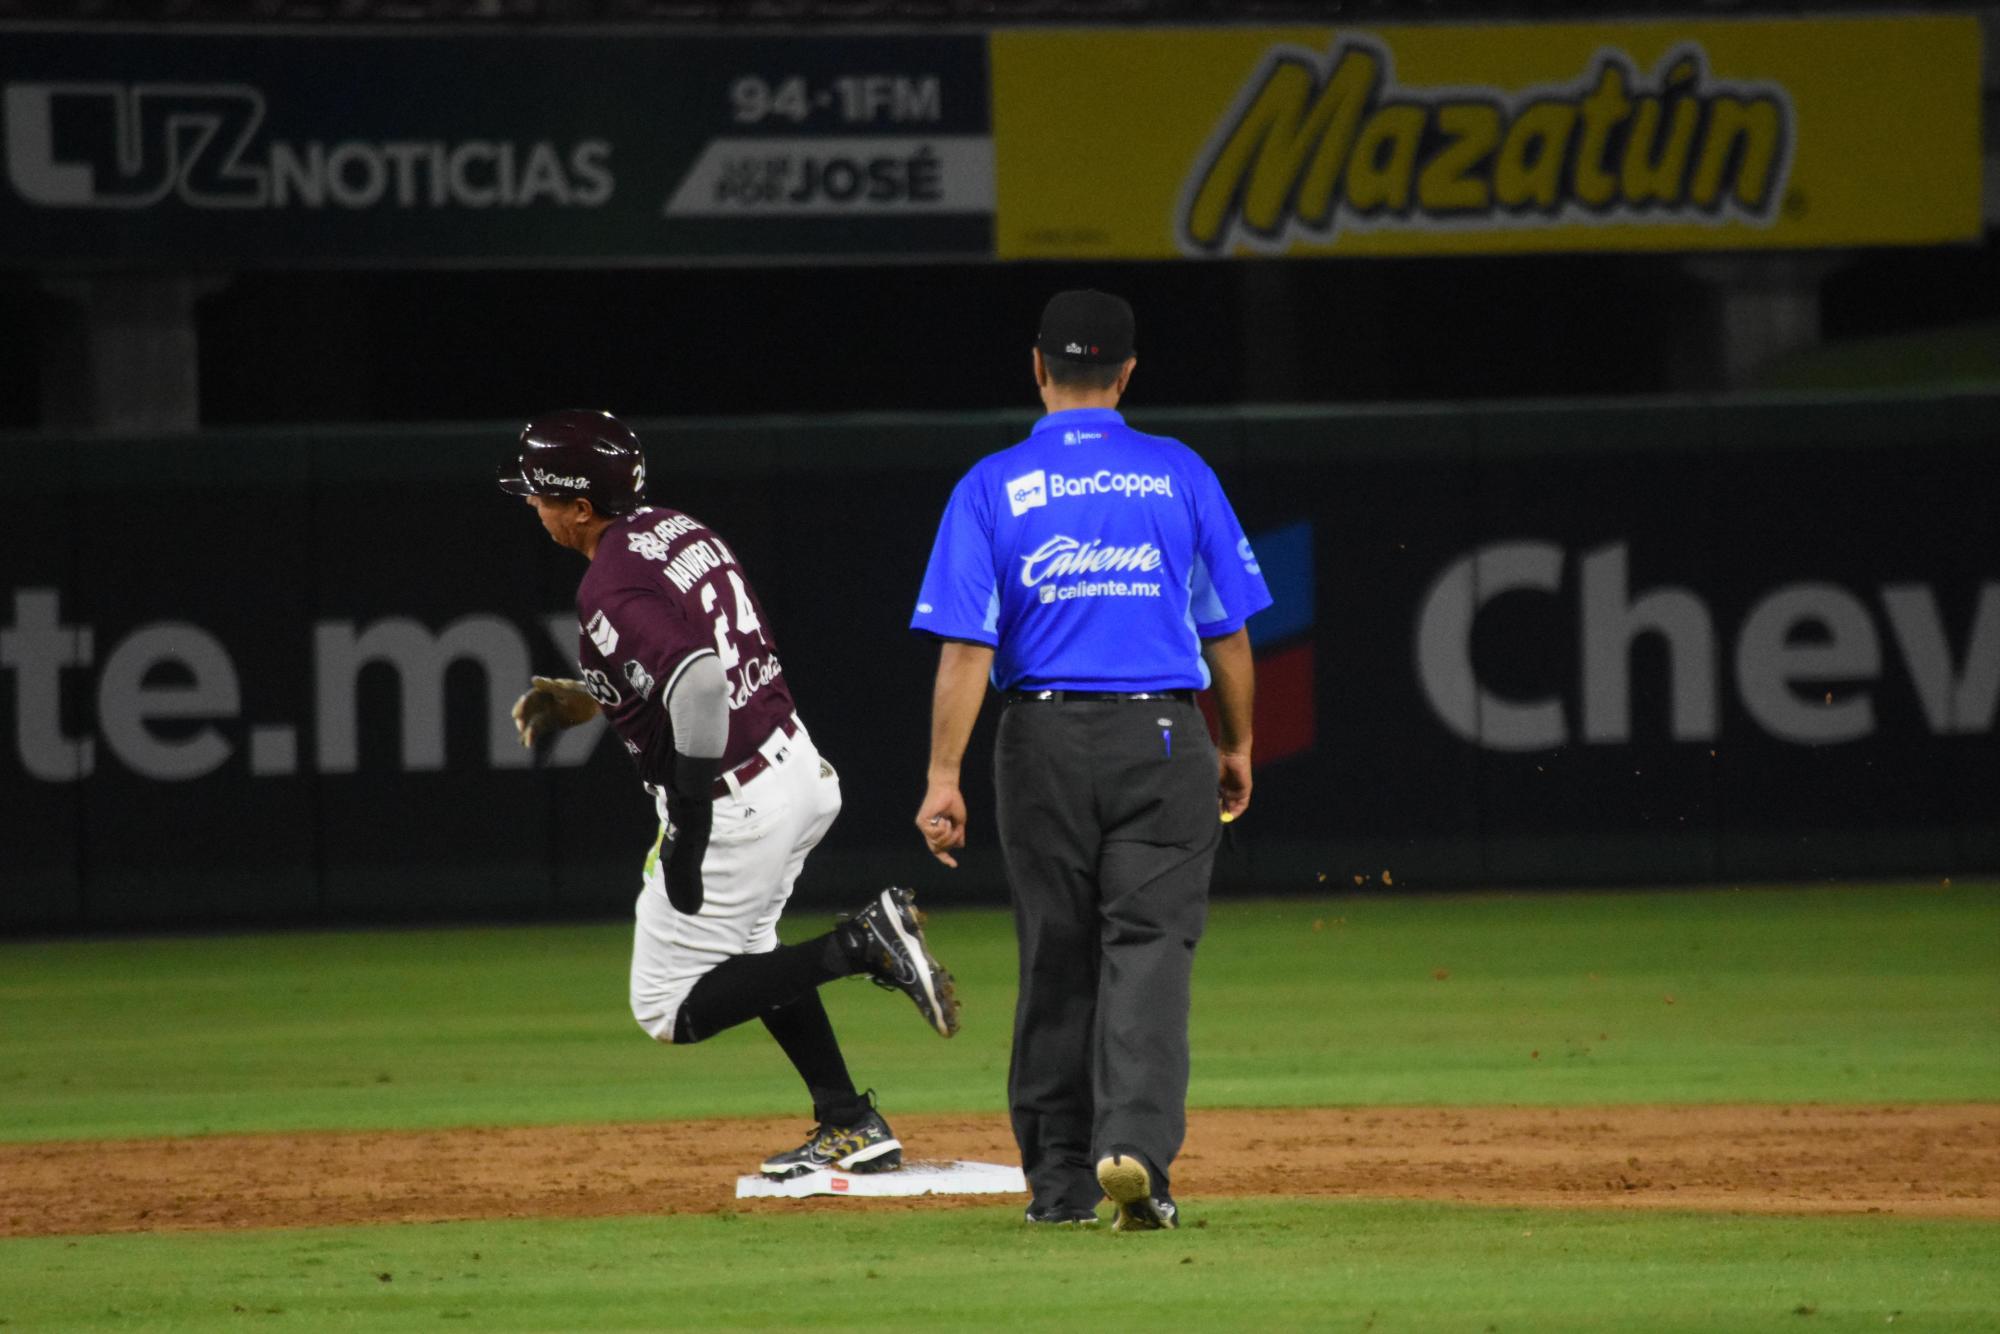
[[866, 1146], [886, 941], [1126, 1179]]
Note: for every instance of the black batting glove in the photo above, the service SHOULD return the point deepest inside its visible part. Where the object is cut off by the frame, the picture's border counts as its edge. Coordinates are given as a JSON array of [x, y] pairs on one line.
[[692, 821], [691, 808]]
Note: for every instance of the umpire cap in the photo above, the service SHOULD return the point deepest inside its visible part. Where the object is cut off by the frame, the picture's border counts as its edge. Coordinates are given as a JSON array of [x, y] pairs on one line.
[[1088, 326], [577, 452]]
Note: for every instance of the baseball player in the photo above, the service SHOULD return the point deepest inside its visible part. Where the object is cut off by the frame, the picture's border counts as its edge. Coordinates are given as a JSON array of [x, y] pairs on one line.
[[676, 652]]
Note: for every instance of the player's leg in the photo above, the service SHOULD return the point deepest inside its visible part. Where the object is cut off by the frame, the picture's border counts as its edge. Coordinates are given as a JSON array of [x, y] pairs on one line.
[[677, 955], [736, 970], [756, 849], [848, 1132], [884, 941], [1041, 783], [804, 1032], [801, 1027], [792, 806], [1159, 850]]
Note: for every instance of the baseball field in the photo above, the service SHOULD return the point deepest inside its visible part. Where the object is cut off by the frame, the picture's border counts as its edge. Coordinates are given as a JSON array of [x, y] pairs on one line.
[[1732, 1109]]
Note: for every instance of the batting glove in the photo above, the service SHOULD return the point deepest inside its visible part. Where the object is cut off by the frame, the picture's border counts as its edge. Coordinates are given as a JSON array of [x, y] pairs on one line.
[[691, 807], [551, 704]]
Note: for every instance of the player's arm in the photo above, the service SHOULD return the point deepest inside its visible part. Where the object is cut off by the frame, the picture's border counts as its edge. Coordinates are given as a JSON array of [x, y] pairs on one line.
[[962, 672], [1233, 677], [697, 702], [959, 603]]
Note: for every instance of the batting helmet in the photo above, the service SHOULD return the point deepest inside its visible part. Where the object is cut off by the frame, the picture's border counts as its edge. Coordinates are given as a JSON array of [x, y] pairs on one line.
[[578, 453]]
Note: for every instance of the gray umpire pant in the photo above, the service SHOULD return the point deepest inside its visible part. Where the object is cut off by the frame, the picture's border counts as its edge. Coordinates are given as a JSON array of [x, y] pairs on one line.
[[1108, 824]]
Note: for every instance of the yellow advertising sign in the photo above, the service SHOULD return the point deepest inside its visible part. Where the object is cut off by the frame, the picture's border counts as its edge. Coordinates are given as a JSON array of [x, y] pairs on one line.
[[1142, 144]]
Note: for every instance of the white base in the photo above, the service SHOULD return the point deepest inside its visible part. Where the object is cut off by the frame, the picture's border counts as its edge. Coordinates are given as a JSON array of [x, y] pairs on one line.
[[917, 1177]]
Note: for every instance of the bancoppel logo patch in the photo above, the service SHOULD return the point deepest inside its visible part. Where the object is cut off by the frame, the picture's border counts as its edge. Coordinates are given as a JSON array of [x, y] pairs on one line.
[[1131, 485], [603, 634], [1249, 556], [1028, 491]]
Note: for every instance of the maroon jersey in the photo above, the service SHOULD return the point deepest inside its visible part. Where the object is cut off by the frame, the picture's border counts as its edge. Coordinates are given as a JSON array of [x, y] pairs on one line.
[[662, 590]]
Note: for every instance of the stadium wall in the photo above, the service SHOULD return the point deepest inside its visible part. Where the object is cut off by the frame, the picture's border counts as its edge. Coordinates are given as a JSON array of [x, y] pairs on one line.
[[264, 676]]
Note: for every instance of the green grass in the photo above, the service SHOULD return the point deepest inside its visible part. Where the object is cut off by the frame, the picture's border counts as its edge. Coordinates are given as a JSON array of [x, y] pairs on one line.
[[1826, 994], [1832, 995], [1256, 1264], [1829, 994]]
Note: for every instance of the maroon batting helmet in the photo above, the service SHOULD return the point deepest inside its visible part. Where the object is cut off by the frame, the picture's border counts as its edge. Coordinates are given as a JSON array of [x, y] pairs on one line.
[[579, 453]]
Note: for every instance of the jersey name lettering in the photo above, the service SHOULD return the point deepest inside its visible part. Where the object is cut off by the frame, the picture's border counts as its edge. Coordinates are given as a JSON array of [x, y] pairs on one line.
[[686, 569], [653, 542]]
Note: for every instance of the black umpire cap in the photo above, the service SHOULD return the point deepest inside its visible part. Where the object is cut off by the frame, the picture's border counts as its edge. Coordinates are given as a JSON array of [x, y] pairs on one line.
[[1087, 326]]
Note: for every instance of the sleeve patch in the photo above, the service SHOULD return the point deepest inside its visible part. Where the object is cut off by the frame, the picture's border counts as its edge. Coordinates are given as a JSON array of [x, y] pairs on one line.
[[603, 634], [639, 678]]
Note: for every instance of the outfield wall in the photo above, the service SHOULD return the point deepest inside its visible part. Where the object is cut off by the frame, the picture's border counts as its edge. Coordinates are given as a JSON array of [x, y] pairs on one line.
[[264, 676]]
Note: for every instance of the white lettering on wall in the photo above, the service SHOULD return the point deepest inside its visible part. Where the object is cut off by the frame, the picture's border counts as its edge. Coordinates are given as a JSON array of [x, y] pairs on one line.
[[127, 700], [181, 674], [1808, 661], [419, 659], [1444, 647], [39, 648]]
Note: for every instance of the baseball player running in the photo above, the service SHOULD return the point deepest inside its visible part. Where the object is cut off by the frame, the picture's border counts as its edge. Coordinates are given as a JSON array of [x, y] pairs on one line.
[[677, 653]]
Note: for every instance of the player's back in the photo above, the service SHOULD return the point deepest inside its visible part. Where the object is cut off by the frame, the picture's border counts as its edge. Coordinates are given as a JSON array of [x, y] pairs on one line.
[[663, 590]]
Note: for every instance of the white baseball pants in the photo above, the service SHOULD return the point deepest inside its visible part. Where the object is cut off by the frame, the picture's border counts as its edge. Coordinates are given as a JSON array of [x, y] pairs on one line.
[[762, 833]]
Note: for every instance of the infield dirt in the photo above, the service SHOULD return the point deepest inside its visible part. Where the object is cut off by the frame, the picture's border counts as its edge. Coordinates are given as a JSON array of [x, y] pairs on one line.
[[1934, 1160]]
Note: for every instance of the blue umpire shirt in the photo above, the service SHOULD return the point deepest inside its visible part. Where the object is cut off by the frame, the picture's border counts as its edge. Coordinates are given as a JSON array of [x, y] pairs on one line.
[[1091, 557]]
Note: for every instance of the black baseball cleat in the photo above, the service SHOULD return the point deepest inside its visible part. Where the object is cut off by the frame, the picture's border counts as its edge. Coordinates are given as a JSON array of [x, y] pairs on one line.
[[1057, 1216], [887, 940], [866, 1146], [1126, 1179]]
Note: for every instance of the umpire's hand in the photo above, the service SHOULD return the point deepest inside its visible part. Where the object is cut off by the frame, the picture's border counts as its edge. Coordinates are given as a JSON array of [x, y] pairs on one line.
[[941, 820], [1232, 785]]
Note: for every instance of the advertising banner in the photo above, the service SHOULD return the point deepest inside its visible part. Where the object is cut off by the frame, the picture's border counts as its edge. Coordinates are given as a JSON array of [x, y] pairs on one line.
[[267, 677], [1677, 135], [241, 147], [247, 148]]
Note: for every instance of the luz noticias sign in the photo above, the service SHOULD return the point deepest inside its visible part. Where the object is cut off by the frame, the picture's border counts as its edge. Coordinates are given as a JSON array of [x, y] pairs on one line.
[[299, 148]]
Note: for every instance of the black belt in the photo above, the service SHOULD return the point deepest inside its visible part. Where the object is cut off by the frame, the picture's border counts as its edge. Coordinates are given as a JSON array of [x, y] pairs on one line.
[[1095, 696]]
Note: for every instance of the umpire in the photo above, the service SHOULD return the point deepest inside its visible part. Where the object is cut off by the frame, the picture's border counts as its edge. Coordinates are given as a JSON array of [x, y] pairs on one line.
[[1099, 578]]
